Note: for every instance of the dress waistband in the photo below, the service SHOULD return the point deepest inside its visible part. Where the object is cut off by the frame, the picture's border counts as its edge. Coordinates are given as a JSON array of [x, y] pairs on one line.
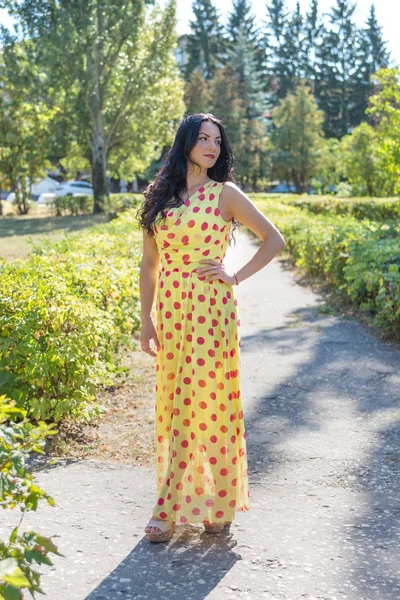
[[183, 268], [193, 266]]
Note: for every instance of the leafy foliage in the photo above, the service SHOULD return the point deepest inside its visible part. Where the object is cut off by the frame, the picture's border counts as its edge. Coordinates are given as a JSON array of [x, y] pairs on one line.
[[297, 137], [64, 315], [359, 258], [359, 164], [24, 136], [18, 438], [113, 63], [205, 45]]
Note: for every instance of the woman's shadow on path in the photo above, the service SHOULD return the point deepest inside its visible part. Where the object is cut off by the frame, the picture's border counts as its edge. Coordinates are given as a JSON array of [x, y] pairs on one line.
[[190, 565]]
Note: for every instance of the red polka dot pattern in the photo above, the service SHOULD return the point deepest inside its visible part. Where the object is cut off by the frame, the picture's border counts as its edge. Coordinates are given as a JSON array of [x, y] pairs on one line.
[[202, 471]]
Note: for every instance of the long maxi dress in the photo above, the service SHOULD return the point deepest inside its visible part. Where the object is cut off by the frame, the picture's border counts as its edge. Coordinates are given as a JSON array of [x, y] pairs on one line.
[[202, 472]]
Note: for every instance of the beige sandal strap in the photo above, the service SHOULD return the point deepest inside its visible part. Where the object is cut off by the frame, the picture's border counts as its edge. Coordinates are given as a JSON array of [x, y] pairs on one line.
[[163, 525]]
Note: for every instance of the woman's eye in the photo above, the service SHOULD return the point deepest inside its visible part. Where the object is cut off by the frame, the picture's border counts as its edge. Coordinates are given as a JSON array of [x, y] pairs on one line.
[[205, 139]]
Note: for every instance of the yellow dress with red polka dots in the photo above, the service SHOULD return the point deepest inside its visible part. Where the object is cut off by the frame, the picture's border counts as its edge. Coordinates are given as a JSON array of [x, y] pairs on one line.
[[202, 472]]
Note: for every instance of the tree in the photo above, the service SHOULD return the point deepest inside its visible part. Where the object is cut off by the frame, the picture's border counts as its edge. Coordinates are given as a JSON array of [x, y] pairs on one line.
[[313, 29], [241, 21], [242, 59], [110, 57], [24, 134], [197, 93], [226, 103], [385, 112], [359, 160], [292, 49], [206, 43], [373, 56], [273, 40], [329, 170], [374, 51], [338, 65], [251, 148], [74, 163], [241, 26], [285, 48], [253, 153], [297, 137]]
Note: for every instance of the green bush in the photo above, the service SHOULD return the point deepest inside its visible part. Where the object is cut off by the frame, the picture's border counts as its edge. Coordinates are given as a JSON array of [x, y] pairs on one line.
[[122, 202], [64, 315], [18, 438], [79, 204], [375, 209], [72, 205], [54, 347], [359, 258], [100, 266]]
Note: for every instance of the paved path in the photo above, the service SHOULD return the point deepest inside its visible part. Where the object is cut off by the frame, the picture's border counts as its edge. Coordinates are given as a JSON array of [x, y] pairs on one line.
[[321, 399]]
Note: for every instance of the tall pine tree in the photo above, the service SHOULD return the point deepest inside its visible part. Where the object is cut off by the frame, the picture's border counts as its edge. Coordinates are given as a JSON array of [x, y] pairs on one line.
[[273, 41], [206, 43], [242, 59], [241, 26], [373, 56], [376, 55], [284, 49], [241, 20], [337, 59], [312, 31], [244, 56]]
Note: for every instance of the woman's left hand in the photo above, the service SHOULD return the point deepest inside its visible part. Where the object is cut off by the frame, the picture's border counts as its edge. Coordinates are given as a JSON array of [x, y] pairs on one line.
[[214, 270]]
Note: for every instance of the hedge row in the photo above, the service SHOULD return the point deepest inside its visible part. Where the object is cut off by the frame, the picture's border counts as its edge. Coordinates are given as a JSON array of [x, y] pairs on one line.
[[375, 209], [81, 203], [359, 258], [65, 313]]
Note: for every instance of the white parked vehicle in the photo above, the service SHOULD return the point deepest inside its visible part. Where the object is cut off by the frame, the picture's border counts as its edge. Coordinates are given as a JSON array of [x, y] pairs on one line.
[[74, 188], [41, 186]]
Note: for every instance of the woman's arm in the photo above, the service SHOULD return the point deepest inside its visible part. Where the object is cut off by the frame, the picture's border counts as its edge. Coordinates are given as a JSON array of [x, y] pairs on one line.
[[149, 269], [235, 203]]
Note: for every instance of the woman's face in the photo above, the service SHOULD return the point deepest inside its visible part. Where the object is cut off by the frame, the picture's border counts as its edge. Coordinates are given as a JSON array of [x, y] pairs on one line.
[[208, 147]]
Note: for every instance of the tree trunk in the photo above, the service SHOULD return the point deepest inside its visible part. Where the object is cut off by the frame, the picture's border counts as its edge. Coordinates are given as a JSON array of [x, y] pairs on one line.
[[115, 185], [99, 170], [96, 104]]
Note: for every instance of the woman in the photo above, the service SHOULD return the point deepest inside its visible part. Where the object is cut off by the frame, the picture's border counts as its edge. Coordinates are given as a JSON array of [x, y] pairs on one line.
[[202, 474]]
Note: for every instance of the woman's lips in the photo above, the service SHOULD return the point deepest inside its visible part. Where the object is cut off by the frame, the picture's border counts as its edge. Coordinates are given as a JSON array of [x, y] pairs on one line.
[[210, 155]]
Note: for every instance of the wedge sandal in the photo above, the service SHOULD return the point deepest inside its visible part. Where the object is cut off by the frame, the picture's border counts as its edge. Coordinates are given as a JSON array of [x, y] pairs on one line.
[[215, 527], [167, 530]]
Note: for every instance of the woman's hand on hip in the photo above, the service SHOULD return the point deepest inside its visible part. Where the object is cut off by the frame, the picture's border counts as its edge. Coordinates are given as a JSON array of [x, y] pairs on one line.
[[214, 270]]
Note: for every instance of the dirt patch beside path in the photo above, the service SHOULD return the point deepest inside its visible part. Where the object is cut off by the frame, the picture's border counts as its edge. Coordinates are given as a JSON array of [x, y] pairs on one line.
[[125, 434]]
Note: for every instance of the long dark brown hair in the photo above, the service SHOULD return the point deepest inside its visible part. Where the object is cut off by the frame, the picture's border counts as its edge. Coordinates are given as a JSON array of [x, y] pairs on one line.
[[170, 181]]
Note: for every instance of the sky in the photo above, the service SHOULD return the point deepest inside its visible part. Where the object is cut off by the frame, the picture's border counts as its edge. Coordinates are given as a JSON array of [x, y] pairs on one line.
[[388, 14]]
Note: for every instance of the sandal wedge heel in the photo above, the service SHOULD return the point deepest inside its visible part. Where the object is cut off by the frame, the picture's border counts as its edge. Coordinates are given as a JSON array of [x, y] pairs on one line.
[[166, 533], [215, 527]]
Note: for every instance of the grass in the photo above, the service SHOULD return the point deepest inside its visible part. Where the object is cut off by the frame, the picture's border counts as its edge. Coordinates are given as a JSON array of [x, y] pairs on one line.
[[18, 233]]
